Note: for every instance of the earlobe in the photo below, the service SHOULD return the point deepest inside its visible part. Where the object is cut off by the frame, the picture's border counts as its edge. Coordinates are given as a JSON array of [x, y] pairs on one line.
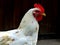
[[36, 13]]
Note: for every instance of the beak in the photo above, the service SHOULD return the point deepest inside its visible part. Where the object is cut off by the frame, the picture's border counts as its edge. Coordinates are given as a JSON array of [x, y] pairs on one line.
[[43, 14]]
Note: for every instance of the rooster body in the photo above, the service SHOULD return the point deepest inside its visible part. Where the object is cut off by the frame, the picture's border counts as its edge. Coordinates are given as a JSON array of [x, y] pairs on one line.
[[25, 34]]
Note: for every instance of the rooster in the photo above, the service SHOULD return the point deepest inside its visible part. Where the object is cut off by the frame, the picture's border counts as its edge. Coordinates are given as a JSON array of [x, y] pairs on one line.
[[27, 32]]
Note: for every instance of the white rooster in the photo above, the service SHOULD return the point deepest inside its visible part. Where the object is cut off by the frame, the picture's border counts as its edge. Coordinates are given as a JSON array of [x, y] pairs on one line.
[[27, 32]]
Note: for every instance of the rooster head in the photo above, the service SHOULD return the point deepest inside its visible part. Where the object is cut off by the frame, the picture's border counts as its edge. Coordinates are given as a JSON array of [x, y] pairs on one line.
[[38, 14]]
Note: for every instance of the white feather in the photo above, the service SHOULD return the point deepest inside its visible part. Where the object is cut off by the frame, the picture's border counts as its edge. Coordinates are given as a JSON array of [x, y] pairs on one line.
[[26, 34]]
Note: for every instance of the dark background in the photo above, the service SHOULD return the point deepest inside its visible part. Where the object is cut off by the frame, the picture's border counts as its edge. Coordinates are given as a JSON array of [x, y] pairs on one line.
[[12, 11]]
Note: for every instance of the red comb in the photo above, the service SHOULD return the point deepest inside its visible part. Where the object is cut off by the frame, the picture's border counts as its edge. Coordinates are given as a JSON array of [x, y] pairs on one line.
[[39, 6]]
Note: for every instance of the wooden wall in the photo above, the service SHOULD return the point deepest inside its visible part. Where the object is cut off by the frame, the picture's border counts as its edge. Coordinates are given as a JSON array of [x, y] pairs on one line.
[[12, 11]]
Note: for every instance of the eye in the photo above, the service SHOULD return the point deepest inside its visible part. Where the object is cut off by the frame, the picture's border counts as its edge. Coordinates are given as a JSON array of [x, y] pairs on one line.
[[36, 13]]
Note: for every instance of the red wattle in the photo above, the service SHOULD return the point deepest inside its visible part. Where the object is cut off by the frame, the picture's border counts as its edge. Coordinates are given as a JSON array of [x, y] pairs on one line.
[[39, 18]]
